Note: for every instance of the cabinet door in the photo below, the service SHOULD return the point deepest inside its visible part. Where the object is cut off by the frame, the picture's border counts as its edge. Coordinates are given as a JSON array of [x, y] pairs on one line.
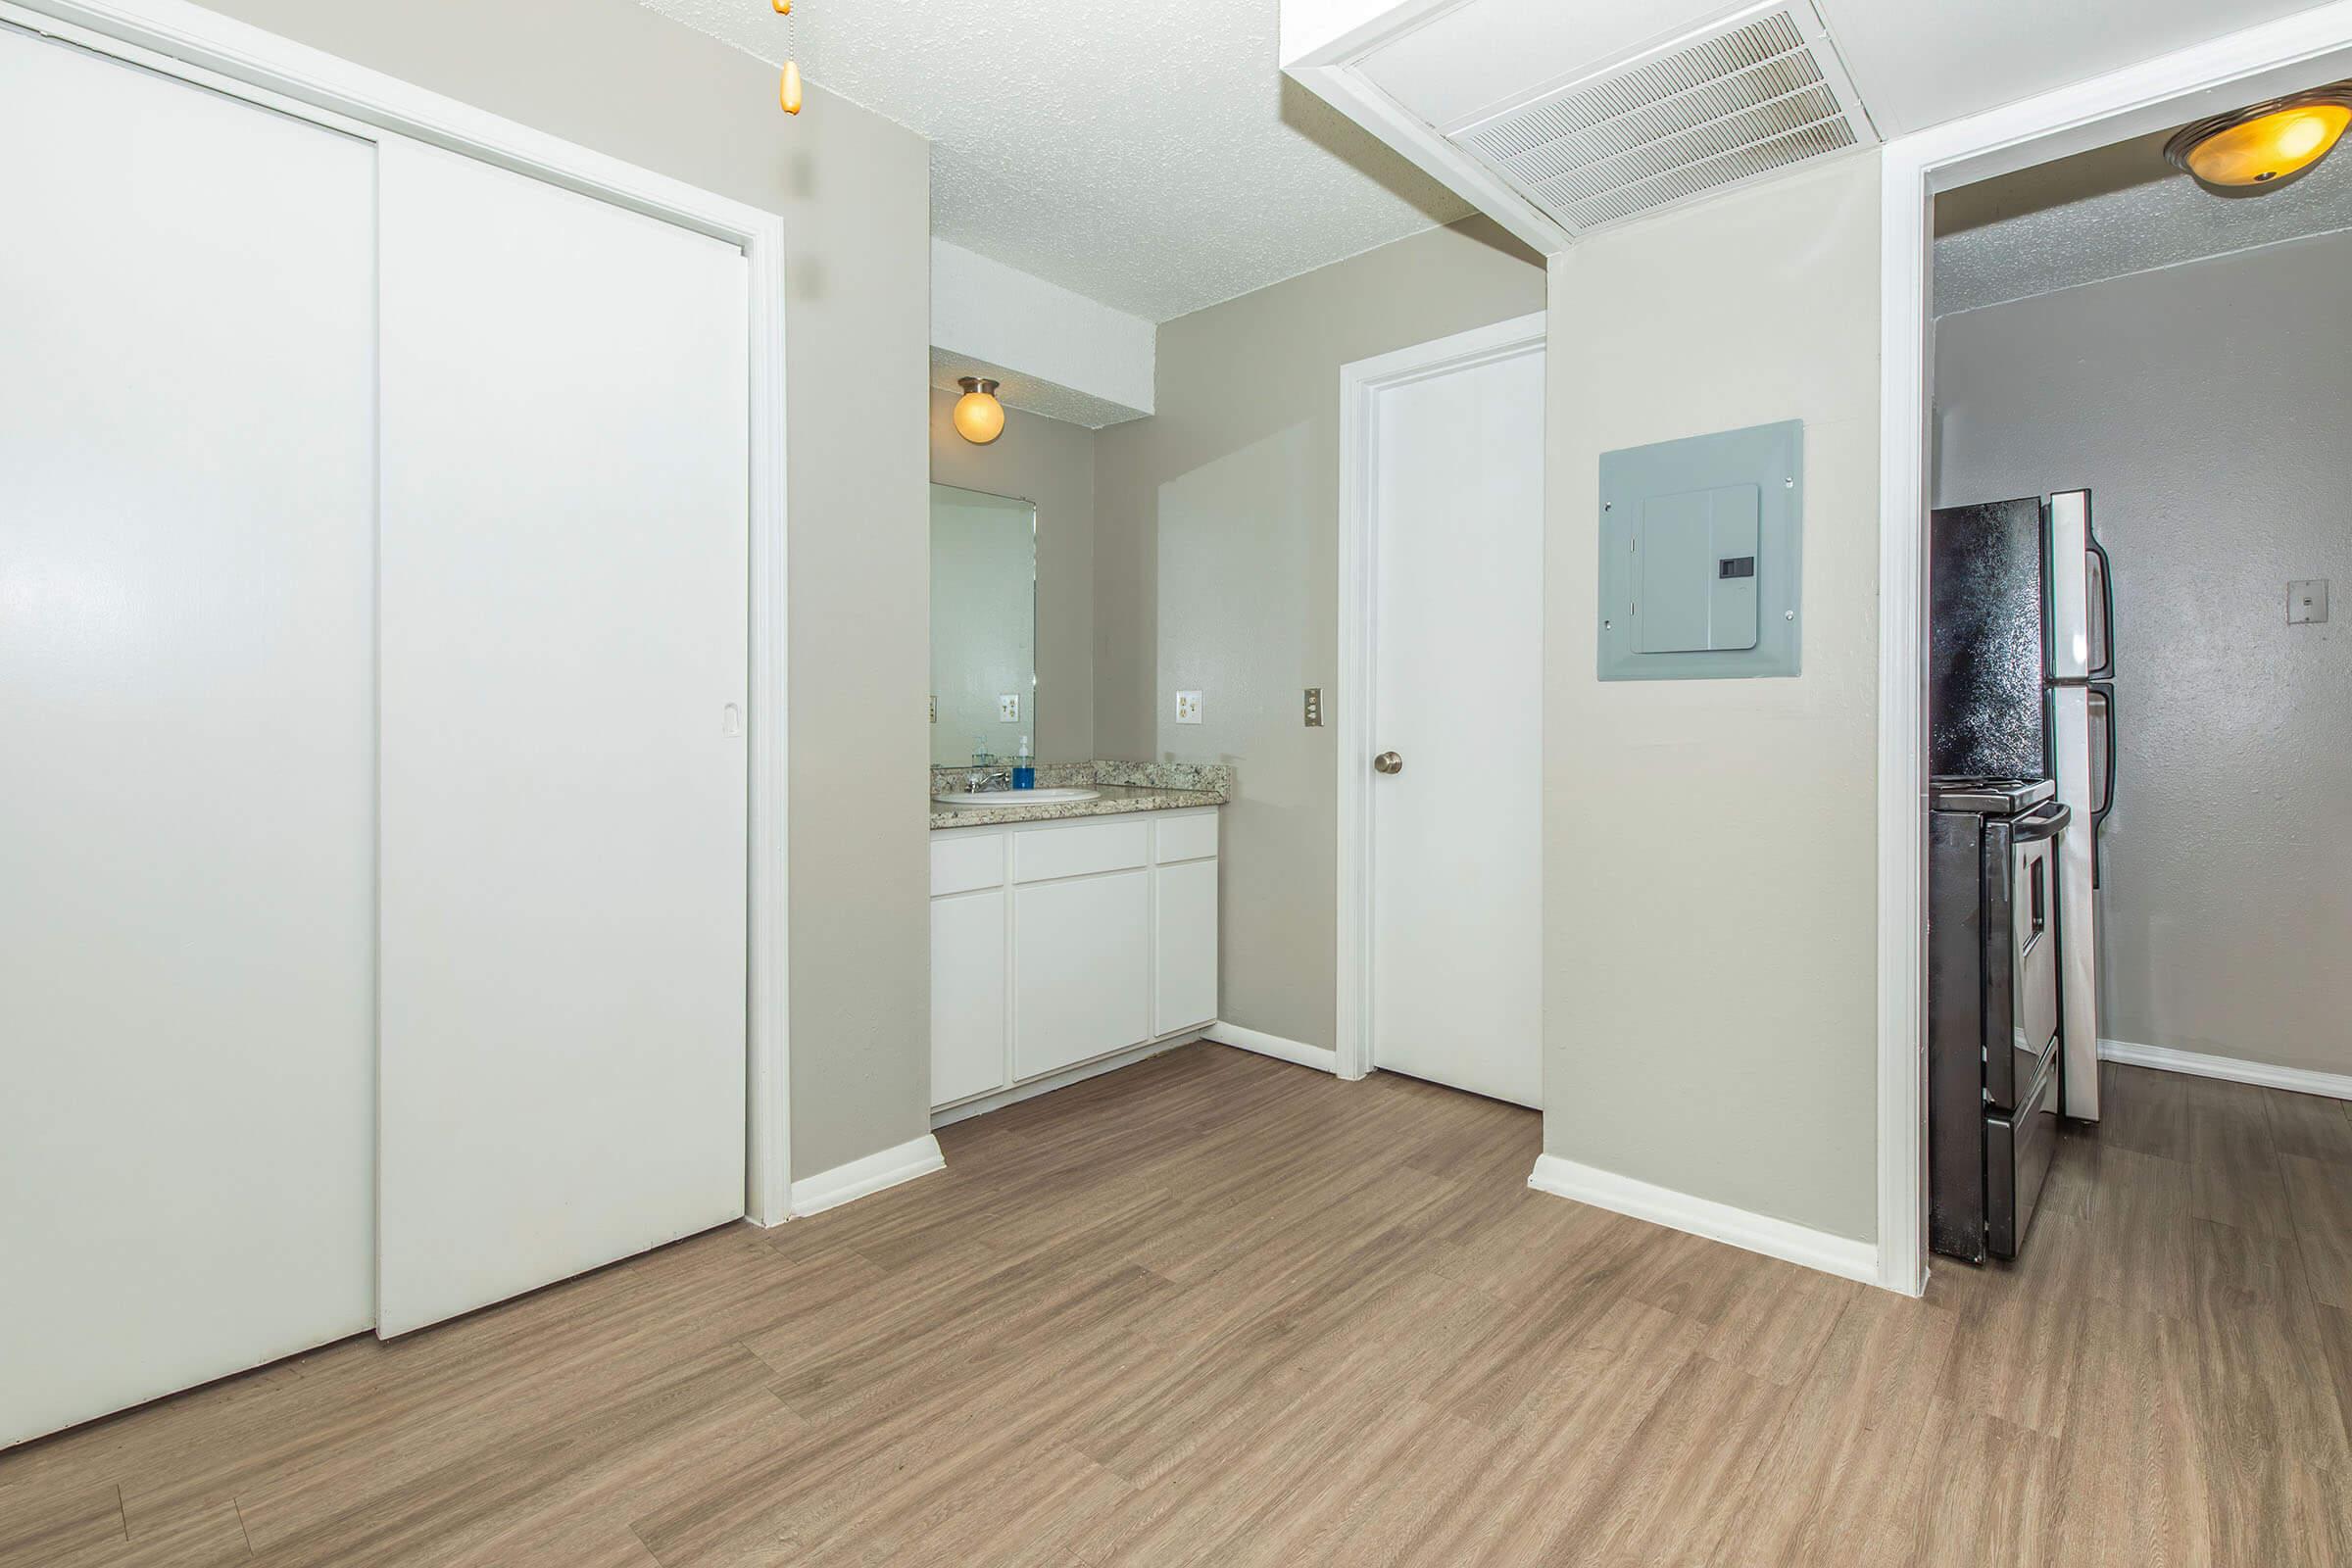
[[1082, 969], [1186, 989], [968, 995]]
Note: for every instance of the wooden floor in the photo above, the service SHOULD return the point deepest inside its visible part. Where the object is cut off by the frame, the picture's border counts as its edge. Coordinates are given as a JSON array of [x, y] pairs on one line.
[[1216, 1309]]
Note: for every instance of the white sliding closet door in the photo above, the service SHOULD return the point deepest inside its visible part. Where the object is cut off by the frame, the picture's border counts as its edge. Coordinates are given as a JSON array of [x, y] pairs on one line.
[[564, 666], [187, 721]]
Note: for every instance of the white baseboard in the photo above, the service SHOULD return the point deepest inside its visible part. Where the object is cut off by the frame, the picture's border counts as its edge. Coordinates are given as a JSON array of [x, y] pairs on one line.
[[860, 1178], [1662, 1205], [2301, 1080], [997, 1100], [1320, 1058]]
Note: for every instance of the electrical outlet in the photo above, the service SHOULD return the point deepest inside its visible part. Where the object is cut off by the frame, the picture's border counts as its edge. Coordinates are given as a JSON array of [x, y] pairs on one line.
[[1315, 707], [2307, 603], [1188, 708], [1008, 709], [935, 710]]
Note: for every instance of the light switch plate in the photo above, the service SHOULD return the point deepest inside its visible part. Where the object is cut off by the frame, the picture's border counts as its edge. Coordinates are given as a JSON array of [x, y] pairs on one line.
[[1188, 708], [1008, 709], [2307, 603]]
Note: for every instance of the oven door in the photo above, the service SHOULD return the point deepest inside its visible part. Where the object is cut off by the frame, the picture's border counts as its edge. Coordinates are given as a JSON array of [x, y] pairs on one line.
[[2021, 952], [2033, 939]]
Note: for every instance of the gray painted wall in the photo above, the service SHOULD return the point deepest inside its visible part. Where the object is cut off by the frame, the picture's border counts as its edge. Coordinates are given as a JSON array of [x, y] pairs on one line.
[[2206, 407], [855, 192], [1216, 568], [1053, 464], [1709, 860]]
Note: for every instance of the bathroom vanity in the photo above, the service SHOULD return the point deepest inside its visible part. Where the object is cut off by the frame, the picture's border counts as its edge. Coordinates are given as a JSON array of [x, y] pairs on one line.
[[1067, 945], [1074, 917]]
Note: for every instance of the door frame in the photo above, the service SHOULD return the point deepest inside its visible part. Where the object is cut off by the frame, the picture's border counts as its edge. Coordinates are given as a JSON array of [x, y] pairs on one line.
[[181, 39], [2221, 74], [1361, 382]]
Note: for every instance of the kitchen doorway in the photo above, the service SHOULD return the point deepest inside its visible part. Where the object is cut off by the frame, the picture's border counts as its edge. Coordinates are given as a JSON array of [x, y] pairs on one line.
[[2224, 73]]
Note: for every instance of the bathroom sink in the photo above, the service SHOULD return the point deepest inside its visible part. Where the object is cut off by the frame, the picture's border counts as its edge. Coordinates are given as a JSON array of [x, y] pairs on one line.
[[970, 798]]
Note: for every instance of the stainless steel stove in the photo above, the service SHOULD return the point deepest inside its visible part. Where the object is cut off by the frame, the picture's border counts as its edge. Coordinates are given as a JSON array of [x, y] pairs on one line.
[[1993, 1008]]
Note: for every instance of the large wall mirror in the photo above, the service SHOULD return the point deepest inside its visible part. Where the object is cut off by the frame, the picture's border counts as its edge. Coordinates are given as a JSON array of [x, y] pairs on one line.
[[983, 624]]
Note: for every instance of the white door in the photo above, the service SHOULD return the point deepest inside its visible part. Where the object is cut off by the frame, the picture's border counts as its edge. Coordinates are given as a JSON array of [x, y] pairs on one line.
[[1457, 536], [187, 754], [564, 601]]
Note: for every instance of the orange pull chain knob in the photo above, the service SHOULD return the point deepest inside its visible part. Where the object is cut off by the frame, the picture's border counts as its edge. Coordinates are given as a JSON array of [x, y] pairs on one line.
[[789, 93], [783, 8]]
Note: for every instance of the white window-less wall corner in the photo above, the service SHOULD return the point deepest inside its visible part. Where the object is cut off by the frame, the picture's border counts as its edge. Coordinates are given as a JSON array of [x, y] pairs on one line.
[[2262, 62], [1055, 352]]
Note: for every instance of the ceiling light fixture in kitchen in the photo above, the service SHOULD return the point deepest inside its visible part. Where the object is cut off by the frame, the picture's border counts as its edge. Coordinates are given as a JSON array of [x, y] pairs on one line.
[[2263, 143]]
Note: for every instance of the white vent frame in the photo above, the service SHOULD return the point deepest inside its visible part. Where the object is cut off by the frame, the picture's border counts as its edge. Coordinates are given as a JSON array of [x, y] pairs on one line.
[[1803, 65], [1329, 62]]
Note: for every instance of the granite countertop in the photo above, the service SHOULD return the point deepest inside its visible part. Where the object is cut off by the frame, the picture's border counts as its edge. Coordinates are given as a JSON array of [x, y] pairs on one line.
[[1124, 786]]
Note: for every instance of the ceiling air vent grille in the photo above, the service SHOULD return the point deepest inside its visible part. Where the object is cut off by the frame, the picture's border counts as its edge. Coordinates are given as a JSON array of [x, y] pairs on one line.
[[1753, 96]]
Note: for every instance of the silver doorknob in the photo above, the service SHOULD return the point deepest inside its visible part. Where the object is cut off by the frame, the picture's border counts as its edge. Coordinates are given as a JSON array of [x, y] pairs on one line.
[[1387, 762]]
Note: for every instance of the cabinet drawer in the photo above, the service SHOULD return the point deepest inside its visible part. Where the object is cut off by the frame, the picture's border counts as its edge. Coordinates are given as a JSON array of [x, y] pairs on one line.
[[1042, 854], [1185, 838], [963, 866]]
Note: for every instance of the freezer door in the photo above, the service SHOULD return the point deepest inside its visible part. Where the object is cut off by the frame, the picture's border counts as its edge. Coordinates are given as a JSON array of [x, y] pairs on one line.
[[2082, 600]]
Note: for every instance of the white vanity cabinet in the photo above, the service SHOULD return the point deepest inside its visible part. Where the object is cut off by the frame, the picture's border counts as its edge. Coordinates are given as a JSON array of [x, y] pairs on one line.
[[1057, 945]]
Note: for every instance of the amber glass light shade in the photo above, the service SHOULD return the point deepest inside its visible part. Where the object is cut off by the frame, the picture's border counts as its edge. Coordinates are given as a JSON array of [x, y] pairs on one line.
[[2267, 142], [979, 416]]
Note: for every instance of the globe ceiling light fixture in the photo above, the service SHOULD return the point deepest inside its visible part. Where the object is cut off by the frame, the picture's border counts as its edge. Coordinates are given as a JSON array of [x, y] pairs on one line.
[[2264, 143], [979, 416]]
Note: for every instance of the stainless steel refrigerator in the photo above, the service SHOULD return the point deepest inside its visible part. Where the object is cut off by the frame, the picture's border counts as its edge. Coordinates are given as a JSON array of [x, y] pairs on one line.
[[2021, 656]]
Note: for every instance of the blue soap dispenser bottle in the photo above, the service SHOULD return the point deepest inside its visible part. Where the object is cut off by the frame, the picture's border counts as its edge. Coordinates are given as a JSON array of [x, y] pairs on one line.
[[1024, 768]]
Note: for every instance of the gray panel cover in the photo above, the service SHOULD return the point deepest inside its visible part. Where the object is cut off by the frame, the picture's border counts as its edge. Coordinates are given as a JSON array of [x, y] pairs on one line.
[[1700, 566]]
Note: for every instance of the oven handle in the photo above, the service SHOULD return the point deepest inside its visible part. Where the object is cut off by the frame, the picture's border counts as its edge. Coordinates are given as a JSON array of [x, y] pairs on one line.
[[2045, 822]]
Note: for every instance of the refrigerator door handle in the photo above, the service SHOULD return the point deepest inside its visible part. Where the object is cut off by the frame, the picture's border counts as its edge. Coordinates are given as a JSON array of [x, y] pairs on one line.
[[2102, 652], [2100, 701]]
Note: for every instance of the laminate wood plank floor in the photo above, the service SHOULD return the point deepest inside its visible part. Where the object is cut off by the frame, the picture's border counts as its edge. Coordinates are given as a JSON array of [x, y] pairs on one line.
[[1218, 1309]]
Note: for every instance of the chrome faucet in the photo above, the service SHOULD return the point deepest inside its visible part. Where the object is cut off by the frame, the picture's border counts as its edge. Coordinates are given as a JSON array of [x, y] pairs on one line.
[[988, 778]]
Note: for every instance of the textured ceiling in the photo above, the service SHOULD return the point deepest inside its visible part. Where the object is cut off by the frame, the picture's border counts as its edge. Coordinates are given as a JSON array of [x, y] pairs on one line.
[[2110, 211], [1151, 157]]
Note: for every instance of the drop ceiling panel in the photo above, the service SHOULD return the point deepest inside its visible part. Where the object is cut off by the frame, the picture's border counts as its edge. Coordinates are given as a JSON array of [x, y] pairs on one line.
[[1486, 52]]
